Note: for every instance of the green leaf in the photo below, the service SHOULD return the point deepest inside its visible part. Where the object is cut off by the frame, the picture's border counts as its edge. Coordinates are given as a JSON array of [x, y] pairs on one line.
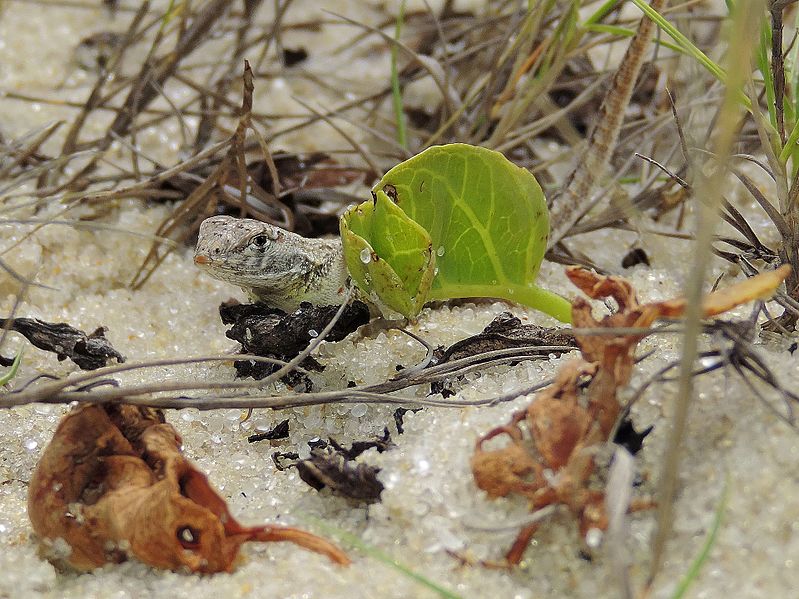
[[486, 219], [389, 256], [12, 372]]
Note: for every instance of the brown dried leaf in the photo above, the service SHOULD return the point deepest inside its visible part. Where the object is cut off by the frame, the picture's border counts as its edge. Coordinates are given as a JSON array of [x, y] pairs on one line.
[[559, 427], [558, 423], [504, 471], [615, 354], [761, 286], [113, 484], [563, 429]]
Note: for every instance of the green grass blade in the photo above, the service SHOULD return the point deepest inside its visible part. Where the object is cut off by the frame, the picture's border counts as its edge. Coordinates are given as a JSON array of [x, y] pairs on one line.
[[380, 556], [707, 546], [171, 11], [688, 47], [12, 372], [764, 66], [396, 92], [625, 32], [600, 13], [792, 72], [790, 144]]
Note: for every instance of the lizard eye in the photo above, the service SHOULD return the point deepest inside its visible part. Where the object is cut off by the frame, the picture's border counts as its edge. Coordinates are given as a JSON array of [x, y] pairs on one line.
[[260, 241]]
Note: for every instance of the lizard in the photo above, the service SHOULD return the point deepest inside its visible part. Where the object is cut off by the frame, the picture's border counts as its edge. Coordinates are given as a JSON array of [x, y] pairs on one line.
[[272, 265]]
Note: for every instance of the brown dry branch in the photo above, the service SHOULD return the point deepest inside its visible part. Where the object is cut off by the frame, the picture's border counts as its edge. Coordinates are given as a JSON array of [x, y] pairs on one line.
[[240, 394], [155, 71], [114, 485], [202, 201], [563, 428]]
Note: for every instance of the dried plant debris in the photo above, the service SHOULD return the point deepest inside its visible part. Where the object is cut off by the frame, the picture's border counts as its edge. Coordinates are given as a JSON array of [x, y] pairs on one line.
[[96, 50], [269, 332], [399, 413], [634, 257], [629, 438], [549, 457], [113, 485], [333, 466], [305, 184], [507, 331], [280, 431], [227, 182], [89, 352]]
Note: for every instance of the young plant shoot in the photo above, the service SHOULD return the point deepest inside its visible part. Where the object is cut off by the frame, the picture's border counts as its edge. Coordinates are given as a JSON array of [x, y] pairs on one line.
[[454, 221]]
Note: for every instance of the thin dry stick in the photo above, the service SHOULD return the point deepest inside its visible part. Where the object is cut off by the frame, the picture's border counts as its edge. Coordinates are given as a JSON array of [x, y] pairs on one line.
[[158, 71], [744, 31], [574, 199]]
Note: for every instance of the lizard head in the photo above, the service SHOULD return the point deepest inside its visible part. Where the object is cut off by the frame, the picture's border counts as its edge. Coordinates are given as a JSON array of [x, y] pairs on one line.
[[240, 250], [274, 266]]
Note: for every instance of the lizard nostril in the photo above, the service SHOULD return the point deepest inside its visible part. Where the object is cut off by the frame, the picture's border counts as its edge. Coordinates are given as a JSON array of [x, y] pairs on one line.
[[200, 259]]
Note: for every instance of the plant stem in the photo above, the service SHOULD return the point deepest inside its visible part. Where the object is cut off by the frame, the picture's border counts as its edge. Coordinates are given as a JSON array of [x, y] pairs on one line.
[[743, 36], [529, 295], [396, 92]]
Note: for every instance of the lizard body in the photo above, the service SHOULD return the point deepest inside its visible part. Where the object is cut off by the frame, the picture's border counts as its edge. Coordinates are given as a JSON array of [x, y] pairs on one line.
[[274, 266]]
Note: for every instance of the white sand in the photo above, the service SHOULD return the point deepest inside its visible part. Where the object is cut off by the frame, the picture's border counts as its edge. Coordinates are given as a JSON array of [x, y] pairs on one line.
[[430, 503]]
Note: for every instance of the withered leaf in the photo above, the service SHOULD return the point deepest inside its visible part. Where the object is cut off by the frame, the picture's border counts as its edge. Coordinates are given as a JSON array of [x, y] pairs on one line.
[[272, 333], [615, 353], [633, 257], [504, 332], [293, 57], [560, 428], [114, 484], [629, 438], [558, 431], [399, 416], [381, 444], [89, 352], [507, 331], [332, 466], [328, 468]]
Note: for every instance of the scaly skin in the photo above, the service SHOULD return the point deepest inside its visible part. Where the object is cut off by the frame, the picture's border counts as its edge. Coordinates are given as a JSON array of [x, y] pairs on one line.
[[274, 266]]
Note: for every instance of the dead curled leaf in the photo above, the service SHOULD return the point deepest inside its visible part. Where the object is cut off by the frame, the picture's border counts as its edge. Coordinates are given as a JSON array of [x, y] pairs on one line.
[[333, 466], [114, 484], [552, 443], [614, 353]]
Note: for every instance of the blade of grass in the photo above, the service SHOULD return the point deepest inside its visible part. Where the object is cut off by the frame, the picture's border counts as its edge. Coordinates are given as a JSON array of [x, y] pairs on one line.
[[605, 9], [764, 66], [619, 31], [710, 540], [745, 28], [12, 372], [688, 47], [380, 556], [396, 92]]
